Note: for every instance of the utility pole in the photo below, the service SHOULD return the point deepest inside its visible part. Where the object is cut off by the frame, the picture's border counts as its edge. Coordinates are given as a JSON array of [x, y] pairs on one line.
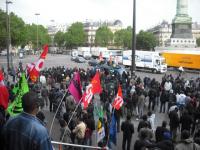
[[37, 14], [8, 43], [133, 40]]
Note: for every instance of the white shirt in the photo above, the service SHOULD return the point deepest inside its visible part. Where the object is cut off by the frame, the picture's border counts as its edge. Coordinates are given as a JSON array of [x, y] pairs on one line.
[[168, 86], [42, 79]]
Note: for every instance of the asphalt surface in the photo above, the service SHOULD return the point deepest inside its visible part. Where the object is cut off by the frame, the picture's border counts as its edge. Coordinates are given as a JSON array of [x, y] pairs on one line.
[[64, 60]]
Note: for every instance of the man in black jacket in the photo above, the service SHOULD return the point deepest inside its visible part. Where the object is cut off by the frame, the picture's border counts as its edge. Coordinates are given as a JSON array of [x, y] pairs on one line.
[[128, 129], [159, 134], [174, 123]]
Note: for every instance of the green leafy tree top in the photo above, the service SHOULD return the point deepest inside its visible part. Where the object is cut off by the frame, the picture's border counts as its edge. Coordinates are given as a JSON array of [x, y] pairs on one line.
[[104, 36]]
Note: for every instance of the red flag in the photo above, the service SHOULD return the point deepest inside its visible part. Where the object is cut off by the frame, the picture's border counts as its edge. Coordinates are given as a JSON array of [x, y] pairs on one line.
[[4, 95], [100, 56], [93, 88], [1, 75], [118, 102], [34, 68], [96, 84], [45, 51]]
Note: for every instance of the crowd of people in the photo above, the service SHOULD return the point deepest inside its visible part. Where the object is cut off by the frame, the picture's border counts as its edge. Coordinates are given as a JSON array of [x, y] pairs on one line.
[[177, 97]]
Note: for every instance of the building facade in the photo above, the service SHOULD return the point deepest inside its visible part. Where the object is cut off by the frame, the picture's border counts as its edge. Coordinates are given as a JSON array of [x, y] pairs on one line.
[[90, 28], [163, 32]]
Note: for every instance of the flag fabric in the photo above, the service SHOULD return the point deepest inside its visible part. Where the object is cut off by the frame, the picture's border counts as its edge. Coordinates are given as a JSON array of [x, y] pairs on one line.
[[100, 131], [113, 130], [100, 57], [4, 94], [15, 107], [118, 102], [35, 68], [96, 84], [93, 88], [75, 87]]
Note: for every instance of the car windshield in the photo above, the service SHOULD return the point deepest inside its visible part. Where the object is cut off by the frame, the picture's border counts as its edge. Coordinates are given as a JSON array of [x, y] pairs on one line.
[[163, 61]]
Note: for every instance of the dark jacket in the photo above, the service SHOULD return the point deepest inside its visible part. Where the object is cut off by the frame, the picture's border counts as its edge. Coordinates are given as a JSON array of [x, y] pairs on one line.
[[25, 132], [159, 134], [128, 128], [142, 144], [165, 145], [186, 122], [142, 124], [174, 119]]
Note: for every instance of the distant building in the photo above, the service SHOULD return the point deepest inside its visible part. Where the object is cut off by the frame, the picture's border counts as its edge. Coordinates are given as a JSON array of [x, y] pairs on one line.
[[163, 32], [90, 28]]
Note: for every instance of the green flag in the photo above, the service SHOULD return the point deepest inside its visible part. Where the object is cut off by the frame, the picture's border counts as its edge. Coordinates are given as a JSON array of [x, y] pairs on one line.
[[98, 111], [16, 106]]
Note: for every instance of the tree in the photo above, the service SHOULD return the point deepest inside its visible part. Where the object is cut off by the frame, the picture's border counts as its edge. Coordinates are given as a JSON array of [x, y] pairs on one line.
[[59, 38], [3, 33], [17, 30], [198, 42], [21, 33], [75, 36], [146, 41], [123, 37], [104, 36]]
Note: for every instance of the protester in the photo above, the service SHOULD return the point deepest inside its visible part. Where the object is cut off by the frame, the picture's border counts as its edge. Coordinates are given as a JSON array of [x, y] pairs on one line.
[[26, 131], [128, 129]]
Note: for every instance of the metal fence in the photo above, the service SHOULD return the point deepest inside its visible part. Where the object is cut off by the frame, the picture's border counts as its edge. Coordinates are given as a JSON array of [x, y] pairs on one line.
[[80, 146]]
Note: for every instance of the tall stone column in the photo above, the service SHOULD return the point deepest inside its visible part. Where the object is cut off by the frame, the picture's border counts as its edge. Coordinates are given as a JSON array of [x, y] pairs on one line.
[[182, 7], [182, 23]]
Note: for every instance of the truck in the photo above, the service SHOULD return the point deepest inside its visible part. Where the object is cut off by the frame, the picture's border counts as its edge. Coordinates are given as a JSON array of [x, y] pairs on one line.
[[145, 60], [84, 52], [96, 51], [189, 59]]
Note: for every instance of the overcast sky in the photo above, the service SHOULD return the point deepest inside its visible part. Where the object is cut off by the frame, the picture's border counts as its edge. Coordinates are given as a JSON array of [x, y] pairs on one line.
[[149, 12]]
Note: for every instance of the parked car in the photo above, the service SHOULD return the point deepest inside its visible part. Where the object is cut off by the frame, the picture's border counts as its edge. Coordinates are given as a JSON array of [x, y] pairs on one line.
[[119, 69], [73, 58], [79, 59], [3, 53], [93, 62]]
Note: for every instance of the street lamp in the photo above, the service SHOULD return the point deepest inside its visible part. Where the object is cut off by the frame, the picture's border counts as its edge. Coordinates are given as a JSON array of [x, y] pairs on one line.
[[8, 44], [37, 14], [133, 40], [53, 31]]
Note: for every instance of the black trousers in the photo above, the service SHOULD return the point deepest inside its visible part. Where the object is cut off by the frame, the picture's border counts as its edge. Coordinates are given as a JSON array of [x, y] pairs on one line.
[[126, 143]]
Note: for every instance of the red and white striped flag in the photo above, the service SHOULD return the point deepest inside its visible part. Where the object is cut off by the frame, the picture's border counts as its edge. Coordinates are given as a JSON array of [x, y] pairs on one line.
[[118, 102], [35, 68], [93, 88]]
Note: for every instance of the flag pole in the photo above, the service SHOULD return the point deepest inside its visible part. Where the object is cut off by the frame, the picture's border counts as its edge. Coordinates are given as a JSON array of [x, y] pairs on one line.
[[57, 111], [71, 117]]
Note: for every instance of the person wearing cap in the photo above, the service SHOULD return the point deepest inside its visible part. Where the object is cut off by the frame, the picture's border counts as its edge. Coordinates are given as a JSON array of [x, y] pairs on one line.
[[25, 131]]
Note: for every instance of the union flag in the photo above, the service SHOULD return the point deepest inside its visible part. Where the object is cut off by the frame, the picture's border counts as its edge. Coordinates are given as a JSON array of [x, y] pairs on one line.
[[93, 88], [35, 68], [118, 102]]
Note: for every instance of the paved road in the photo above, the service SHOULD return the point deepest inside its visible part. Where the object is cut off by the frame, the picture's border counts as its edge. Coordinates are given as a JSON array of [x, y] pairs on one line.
[[64, 60]]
